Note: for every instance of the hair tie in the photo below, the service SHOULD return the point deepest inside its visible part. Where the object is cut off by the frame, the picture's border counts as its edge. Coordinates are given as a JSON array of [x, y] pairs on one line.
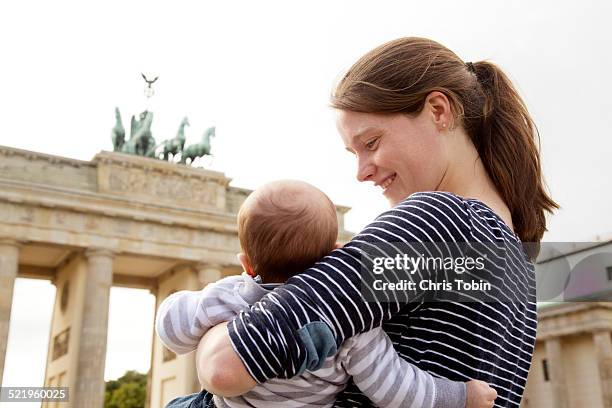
[[470, 67]]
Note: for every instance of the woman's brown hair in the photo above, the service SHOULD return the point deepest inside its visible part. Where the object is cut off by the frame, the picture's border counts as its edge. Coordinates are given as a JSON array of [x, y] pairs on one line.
[[396, 77]]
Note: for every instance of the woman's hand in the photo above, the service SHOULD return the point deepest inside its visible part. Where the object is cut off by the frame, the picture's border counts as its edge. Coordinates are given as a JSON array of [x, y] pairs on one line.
[[220, 370], [479, 395]]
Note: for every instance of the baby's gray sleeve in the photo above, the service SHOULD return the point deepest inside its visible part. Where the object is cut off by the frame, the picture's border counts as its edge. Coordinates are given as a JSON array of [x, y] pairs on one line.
[[390, 381], [184, 317]]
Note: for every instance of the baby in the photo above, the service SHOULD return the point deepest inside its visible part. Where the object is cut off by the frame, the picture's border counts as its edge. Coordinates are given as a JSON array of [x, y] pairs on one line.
[[284, 228]]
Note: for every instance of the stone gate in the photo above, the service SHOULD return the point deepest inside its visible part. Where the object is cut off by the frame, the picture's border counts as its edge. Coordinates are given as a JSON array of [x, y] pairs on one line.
[[118, 220]]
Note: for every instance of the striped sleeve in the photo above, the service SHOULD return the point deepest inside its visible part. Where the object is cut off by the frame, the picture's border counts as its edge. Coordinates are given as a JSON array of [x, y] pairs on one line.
[[268, 337], [185, 316], [391, 382]]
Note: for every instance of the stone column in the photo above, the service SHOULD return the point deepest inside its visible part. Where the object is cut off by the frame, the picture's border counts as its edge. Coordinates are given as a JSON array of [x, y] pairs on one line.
[[150, 373], [208, 272], [603, 352], [9, 260], [557, 373], [89, 385]]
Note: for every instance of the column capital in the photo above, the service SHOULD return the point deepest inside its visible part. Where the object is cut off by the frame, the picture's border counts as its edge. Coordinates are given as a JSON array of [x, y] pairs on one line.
[[208, 265], [554, 341], [208, 272], [100, 264], [98, 251], [13, 242]]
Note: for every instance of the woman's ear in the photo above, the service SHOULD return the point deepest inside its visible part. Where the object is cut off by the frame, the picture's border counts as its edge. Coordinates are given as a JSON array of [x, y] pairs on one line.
[[439, 109]]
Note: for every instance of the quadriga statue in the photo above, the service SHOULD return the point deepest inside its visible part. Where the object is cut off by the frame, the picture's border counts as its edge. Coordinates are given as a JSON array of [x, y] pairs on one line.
[[118, 132], [194, 151], [175, 145]]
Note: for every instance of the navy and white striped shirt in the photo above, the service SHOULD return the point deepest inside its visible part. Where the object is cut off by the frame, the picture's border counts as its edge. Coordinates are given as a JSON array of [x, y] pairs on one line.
[[491, 340]]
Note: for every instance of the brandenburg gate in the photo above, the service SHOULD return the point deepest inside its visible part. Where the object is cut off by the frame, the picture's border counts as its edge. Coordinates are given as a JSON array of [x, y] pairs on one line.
[[118, 220]]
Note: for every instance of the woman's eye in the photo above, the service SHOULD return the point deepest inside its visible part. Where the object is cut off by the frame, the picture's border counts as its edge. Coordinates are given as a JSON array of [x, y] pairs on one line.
[[371, 143]]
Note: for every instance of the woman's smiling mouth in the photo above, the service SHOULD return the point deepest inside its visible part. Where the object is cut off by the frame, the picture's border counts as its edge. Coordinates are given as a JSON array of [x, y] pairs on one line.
[[387, 182]]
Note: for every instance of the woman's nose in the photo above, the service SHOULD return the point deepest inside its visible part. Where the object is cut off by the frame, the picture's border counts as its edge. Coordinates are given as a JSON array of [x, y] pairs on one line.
[[365, 170]]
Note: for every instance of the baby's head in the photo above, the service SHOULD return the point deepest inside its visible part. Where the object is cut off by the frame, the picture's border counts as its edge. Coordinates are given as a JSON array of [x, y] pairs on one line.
[[285, 227]]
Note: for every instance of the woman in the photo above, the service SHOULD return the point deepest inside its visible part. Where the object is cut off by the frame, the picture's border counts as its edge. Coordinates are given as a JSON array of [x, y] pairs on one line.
[[453, 148]]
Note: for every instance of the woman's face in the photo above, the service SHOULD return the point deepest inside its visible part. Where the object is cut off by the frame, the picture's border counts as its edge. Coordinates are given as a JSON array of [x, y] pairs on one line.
[[400, 154]]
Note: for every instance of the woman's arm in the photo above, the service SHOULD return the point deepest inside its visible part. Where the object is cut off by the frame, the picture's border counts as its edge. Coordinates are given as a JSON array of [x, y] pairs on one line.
[[298, 325], [220, 370]]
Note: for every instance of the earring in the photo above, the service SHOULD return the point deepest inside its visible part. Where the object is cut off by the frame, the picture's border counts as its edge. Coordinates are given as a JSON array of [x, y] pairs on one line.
[[444, 125]]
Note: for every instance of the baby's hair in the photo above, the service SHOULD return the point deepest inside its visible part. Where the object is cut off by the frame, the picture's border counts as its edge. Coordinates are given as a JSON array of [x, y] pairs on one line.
[[285, 227]]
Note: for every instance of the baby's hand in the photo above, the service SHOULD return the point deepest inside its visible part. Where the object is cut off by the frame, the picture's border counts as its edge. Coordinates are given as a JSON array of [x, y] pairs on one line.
[[479, 395]]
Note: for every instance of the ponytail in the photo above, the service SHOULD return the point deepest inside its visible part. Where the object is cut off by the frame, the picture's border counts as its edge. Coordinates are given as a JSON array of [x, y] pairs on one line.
[[505, 139]]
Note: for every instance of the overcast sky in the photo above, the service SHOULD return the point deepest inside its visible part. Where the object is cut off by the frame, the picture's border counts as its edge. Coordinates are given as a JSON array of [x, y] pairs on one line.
[[262, 72]]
